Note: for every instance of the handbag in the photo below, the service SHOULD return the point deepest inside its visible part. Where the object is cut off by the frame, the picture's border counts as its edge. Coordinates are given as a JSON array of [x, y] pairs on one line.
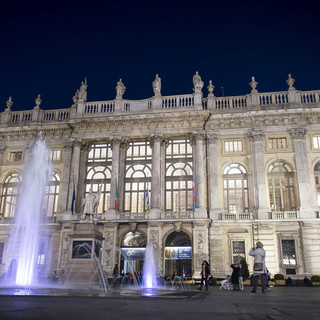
[[258, 266]]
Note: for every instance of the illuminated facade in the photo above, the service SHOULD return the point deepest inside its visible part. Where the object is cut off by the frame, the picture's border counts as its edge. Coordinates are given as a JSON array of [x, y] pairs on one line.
[[251, 163]]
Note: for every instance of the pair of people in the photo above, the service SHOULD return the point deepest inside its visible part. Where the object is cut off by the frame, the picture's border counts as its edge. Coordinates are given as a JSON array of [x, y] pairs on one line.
[[237, 276]]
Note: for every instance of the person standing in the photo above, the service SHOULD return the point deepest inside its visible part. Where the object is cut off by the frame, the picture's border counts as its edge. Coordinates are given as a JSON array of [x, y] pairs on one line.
[[241, 272], [205, 273], [259, 267], [235, 276], [115, 275]]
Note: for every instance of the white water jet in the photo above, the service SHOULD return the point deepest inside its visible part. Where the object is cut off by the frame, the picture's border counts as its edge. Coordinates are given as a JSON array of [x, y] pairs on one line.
[[24, 243], [149, 269]]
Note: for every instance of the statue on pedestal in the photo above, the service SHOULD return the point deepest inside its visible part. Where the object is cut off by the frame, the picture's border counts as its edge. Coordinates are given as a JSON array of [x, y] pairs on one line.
[[90, 204], [83, 90], [120, 89], [197, 83], [156, 84]]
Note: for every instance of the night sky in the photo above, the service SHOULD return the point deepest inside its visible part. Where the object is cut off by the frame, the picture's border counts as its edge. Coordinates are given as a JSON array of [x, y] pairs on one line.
[[48, 47]]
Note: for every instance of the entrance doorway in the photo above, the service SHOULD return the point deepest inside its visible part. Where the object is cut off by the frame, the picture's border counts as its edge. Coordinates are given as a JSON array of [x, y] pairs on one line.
[[178, 255], [132, 253]]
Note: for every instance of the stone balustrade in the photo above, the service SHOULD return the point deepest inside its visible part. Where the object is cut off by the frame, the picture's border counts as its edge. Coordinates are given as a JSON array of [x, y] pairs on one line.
[[160, 104], [285, 215]]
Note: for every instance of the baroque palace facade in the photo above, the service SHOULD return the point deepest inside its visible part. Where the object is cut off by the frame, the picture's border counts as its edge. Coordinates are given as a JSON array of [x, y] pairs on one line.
[[253, 162]]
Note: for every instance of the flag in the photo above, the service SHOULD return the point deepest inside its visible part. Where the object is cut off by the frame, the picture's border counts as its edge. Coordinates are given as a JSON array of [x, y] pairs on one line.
[[116, 199], [73, 197], [147, 198], [194, 194]]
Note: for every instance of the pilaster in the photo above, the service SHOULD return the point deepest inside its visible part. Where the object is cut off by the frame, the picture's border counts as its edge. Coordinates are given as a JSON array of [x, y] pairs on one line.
[[66, 179], [260, 191], [307, 207]]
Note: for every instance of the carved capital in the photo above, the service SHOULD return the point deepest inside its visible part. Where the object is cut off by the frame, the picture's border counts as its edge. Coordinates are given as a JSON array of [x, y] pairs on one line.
[[124, 144], [298, 133], [256, 136], [196, 136], [164, 143], [77, 143], [115, 142], [157, 137], [67, 148], [212, 137]]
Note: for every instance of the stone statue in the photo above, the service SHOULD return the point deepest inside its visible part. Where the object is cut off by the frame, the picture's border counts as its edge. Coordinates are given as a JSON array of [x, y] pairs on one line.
[[156, 84], [83, 90], [120, 89], [90, 204], [197, 83]]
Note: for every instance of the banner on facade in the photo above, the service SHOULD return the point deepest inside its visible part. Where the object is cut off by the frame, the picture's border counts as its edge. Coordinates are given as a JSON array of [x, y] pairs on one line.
[[178, 253]]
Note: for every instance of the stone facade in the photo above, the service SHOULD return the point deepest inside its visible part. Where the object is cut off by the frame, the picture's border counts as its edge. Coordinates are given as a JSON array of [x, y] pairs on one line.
[[253, 164]]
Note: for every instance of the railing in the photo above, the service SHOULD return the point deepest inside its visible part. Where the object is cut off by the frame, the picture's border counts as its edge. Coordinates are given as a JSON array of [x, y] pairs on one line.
[[132, 216], [231, 102], [177, 215], [21, 117], [236, 216], [57, 115], [177, 101], [99, 107], [273, 98], [285, 215], [264, 100]]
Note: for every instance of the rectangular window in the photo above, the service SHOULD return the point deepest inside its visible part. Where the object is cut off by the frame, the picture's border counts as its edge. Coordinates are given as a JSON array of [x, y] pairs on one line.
[[15, 156], [233, 146], [55, 155], [288, 252], [1, 251], [238, 251], [316, 142], [277, 143]]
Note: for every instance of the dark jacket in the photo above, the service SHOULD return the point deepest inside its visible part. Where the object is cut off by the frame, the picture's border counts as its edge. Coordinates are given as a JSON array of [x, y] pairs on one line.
[[207, 271], [235, 274]]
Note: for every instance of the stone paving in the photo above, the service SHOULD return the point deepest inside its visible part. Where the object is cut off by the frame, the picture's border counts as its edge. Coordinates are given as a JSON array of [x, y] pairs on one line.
[[278, 303]]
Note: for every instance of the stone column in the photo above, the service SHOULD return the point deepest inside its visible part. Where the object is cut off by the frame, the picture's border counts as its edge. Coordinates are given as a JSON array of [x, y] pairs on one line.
[[66, 179], [122, 174], [260, 207], [114, 177], [215, 209], [163, 148], [198, 172], [307, 207], [155, 178], [200, 245]]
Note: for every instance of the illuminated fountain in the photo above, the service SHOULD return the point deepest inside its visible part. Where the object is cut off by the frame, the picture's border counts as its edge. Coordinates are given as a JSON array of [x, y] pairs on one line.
[[28, 246], [149, 269]]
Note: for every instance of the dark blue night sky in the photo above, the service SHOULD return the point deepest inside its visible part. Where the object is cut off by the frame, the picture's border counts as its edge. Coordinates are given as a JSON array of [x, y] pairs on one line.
[[48, 47]]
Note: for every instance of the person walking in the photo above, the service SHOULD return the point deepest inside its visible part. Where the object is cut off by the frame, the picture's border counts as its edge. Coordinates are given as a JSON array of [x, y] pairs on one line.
[[205, 273], [259, 267]]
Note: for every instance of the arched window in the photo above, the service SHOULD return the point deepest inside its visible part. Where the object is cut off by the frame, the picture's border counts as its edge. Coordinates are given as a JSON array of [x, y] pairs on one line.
[[317, 180], [235, 189], [281, 187], [9, 193], [52, 195], [138, 177], [99, 166], [179, 171]]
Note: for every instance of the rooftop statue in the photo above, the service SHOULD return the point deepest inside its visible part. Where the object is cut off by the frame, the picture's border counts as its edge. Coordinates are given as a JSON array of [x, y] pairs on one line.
[[156, 84], [83, 90], [90, 204], [120, 89], [197, 83]]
